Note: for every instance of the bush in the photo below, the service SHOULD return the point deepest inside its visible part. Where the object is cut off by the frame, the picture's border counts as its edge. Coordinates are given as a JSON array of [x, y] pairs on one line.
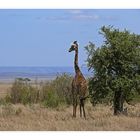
[[62, 85], [51, 93], [57, 92], [22, 92], [52, 100], [3, 101]]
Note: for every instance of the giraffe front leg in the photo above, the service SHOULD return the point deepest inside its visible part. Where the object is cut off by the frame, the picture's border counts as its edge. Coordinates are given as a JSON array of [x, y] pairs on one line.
[[84, 112], [83, 106], [74, 108], [80, 108]]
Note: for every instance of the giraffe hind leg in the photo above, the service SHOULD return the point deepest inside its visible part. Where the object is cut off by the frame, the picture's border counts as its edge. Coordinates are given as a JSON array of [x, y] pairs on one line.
[[74, 115], [83, 107]]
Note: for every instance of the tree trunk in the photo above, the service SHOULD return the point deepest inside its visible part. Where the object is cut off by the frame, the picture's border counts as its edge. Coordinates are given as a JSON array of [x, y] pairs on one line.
[[118, 102]]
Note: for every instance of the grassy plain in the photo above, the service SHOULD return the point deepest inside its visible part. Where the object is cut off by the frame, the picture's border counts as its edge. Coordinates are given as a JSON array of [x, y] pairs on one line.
[[36, 117]]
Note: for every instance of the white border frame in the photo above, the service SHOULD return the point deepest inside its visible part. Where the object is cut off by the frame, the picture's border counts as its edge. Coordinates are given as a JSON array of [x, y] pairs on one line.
[[69, 4]]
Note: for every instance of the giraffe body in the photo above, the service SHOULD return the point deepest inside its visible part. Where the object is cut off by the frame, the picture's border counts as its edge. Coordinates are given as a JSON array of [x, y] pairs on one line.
[[79, 85]]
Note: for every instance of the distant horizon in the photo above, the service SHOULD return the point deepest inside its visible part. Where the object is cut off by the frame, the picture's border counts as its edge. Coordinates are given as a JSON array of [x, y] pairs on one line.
[[8, 74], [42, 66]]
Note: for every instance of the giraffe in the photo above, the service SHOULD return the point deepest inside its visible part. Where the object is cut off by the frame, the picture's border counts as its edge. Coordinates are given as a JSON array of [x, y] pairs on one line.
[[79, 85]]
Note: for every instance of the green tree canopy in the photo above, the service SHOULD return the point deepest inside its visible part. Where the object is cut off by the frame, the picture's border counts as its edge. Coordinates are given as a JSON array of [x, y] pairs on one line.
[[115, 66]]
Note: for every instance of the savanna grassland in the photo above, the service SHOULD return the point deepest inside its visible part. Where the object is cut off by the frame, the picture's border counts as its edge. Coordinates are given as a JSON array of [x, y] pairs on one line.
[[35, 117], [39, 117]]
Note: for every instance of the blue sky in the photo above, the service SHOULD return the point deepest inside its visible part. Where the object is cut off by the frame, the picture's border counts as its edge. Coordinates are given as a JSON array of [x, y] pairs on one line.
[[43, 37]]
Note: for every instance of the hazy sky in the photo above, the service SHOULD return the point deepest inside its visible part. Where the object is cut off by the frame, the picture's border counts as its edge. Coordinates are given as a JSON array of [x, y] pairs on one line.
[[43, 37]]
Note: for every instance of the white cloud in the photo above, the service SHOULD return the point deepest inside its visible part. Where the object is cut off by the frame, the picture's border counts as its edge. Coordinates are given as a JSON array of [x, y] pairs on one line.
[[87, 17], [96, 16], [79, 14], [78, 11], [111, 18]]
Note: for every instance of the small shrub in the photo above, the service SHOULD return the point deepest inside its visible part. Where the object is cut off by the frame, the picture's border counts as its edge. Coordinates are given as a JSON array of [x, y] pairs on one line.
[[2, 101], [62, 85], [57, 92], [52, 100], [22, 92]]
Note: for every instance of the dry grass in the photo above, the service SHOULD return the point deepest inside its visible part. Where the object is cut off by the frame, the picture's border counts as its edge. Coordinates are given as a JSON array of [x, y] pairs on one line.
[[4, 88], [35, 117]]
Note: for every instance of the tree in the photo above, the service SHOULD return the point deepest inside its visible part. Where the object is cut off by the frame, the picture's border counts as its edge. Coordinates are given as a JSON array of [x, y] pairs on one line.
[[116, 68]]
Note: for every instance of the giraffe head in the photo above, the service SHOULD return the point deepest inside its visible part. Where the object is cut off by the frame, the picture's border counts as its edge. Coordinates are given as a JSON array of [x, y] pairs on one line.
[[74, 46]]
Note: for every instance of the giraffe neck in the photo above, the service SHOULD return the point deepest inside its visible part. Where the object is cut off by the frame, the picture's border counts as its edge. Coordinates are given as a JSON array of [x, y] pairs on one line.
[[76, 67]]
